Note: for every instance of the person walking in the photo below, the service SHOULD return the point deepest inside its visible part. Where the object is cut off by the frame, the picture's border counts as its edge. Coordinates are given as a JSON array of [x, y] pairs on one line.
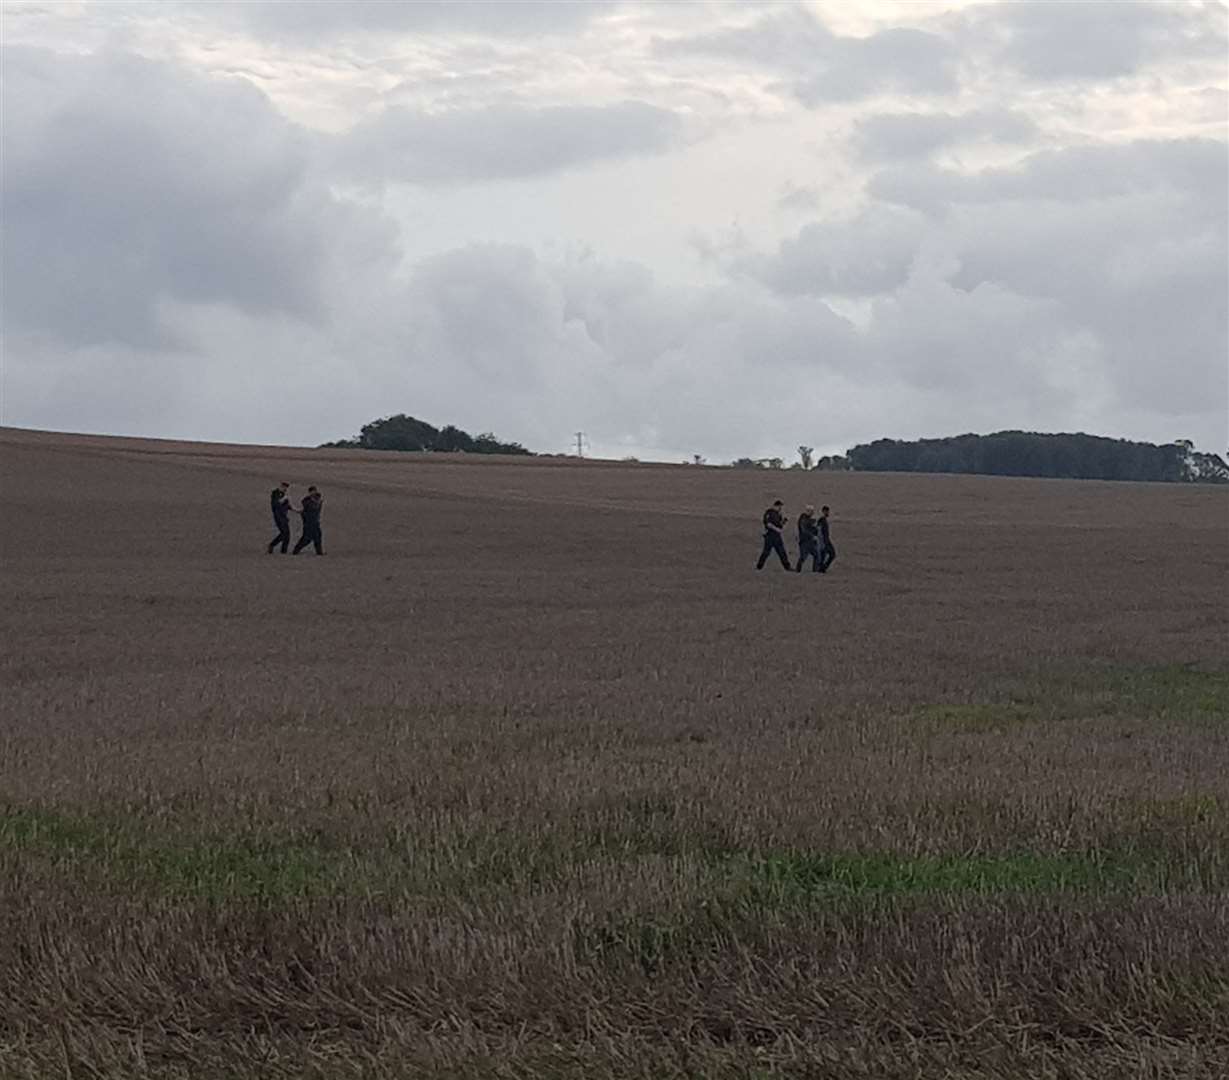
[[827, 553], [808, 540], [279, 503], [310, 507], [774, 523]]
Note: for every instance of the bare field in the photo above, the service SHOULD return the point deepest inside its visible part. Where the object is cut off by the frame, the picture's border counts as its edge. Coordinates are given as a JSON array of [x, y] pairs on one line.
[[534, 776]]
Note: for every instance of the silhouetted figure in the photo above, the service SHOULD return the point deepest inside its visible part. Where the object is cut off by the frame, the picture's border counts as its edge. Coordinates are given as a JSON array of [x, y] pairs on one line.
[[310, 509], [827, 553], [808, 540], [280, 505], [774, 522]]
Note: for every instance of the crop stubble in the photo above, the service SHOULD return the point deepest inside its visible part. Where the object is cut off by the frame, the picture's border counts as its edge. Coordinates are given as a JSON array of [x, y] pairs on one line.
[[534, 776]]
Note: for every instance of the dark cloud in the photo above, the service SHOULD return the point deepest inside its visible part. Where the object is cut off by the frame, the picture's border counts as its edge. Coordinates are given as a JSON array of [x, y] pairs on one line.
[[819, 66], [915, 135], [1058, 41], [499, 141], [127, 183]]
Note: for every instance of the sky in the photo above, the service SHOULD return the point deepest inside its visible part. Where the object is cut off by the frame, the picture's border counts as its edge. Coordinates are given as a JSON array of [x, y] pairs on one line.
[[722, 229]]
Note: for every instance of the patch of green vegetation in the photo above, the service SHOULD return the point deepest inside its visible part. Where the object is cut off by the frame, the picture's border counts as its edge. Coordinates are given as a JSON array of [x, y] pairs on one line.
[[748, 892], [240, 865], [792, 873], [1173, 691], [1170, 692]]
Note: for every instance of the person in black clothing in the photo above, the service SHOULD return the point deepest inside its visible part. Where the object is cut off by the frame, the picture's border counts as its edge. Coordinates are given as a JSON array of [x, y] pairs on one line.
[[312, 504], [774, 522], [827, 553], [808, 534], [280, 506]]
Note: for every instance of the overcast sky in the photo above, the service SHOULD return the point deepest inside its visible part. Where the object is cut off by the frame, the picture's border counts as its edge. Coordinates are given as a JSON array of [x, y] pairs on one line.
[[722, 229]]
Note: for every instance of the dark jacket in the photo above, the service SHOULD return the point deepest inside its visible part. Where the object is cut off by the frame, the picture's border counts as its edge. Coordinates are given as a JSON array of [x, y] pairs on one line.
[[772, 516], [807, 529], [823, 527], [279, 504], [311, 506]]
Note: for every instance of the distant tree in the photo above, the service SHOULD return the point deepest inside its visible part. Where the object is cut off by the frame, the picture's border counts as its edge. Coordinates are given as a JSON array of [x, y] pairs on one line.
[[775, 463], [697, 459], [745, 463], [452, 439], [403, 432], [398, 432], [805, 454], [1205, 468], [833, 463]]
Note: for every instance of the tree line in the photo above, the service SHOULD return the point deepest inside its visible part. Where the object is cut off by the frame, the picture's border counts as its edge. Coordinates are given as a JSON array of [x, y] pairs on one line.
[[1002, 453], [1019, 453], [1030, 453]]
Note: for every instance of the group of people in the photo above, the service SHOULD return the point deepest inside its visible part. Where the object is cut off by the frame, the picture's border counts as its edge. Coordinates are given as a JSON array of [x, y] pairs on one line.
[[814, 540], [309, 510]]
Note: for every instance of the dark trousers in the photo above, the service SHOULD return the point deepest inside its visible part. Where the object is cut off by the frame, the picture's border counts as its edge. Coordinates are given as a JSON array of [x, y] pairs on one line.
[[807, 549], [311, 535], [282, 537], [773, 542], [827, 555]]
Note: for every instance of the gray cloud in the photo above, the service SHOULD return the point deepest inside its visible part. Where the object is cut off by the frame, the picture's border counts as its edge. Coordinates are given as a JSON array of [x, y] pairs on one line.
[[913, 135], [861, 256], [499, 141], [1119, 254], [327, 19], [1076, 173], [1146, 274], [1055, 41], [126, 183], [819, 66]]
